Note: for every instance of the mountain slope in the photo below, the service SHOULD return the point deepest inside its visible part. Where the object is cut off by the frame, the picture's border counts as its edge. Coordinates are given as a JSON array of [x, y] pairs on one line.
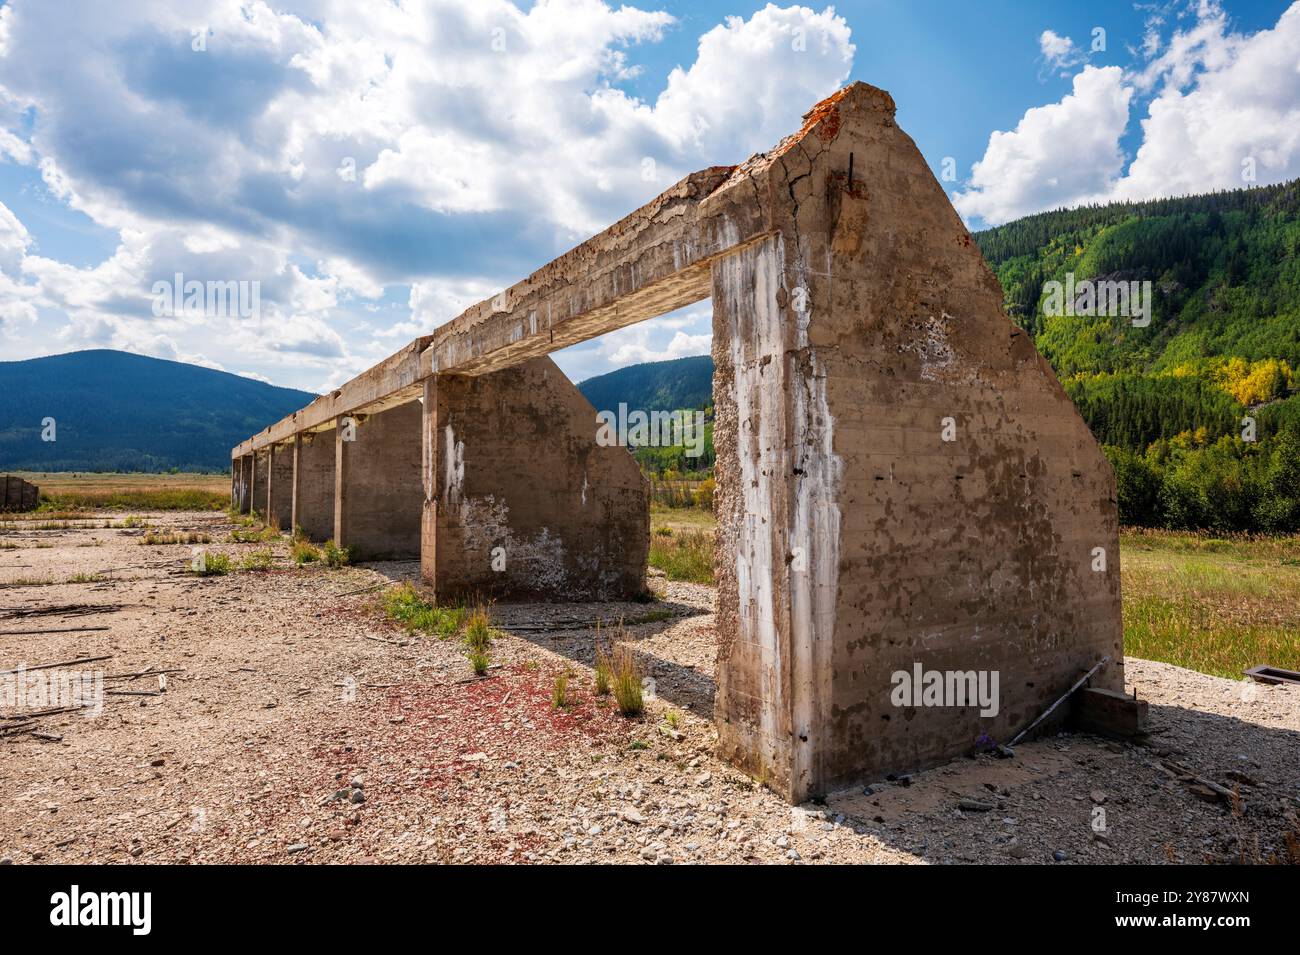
[[1199, 410], [654, 386], [115, 411]]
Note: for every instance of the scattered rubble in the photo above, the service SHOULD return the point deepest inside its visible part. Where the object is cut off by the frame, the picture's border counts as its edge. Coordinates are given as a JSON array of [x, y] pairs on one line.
[[393, 752]]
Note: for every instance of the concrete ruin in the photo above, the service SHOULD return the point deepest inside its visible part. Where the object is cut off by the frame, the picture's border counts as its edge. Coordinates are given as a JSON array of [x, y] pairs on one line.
[[17, 494], [902, 485]]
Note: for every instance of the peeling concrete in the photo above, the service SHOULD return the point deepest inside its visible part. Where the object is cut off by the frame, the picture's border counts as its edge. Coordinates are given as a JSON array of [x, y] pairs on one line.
[[900, 477]]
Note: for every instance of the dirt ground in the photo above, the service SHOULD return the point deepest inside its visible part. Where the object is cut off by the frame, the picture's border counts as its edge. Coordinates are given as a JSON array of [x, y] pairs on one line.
[[301, 726]]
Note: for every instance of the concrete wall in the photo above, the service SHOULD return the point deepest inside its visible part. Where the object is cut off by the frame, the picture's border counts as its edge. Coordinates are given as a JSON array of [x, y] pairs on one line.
[[516, 474], [257, 481], [279, 486], [17, 494], [901, 480], [313, 492], [378, 488], [854, 541]]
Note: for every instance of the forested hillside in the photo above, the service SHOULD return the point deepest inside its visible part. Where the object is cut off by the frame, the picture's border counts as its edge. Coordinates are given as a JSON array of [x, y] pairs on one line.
[[114, 411], [1175, 402], [681, 384], [654, 385]]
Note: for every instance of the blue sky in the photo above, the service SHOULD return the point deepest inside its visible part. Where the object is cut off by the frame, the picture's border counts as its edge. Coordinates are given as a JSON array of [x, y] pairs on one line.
[[377, 167]]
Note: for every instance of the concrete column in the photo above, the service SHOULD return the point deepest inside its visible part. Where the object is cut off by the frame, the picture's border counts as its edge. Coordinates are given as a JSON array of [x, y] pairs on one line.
[[257, 483], [378, 484], [901, 480], [519, 499], [313, 484], [244, 495], [279, 486]]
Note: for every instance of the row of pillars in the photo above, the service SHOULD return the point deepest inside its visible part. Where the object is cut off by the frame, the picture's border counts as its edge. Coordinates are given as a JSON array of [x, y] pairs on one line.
[[496, 483], [358, 483]]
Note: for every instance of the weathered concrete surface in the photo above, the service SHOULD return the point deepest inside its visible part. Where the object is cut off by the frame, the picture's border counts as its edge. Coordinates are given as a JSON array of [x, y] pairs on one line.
[[378, 489], [257, 481], [241, 475], [17, 494], [854, 541], [653, 261], [279, 486], [313, 485], [520, 500], [1108, 713], [901, 480]]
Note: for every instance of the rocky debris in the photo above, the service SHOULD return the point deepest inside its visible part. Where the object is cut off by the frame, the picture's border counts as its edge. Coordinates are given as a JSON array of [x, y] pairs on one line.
[[487, 771]]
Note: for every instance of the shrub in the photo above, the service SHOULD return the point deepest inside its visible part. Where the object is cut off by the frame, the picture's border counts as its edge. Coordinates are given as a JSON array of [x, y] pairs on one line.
[[478, 631], [403, 603], [560, 692], [604, 668], [211, 565], [254, 535], [479, 660], [154, 537], [334, 555], [304, 552], [628, 692], [703, 494], [684, 556], [257, 560]]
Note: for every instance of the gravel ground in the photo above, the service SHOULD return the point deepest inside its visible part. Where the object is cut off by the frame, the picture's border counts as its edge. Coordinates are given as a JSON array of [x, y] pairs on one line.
[[303, 727]]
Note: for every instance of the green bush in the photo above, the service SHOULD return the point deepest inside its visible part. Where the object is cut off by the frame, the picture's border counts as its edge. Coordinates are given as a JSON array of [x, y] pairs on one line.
[[404, 604], [334, 555], [257, 560], [212, 565], [304, 552]]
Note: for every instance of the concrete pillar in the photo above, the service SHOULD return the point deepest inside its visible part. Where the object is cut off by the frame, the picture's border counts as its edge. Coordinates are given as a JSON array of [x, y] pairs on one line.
[[378, 484], [279, 486], [901, 480], [313, 484], [519, 499], [244, 477], [257, 483]]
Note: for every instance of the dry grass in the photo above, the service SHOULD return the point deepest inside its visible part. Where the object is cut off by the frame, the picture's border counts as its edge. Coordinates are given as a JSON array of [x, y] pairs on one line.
[[686, 555], [77, 491], [1213, 604], [1219, 605], [626, 671]]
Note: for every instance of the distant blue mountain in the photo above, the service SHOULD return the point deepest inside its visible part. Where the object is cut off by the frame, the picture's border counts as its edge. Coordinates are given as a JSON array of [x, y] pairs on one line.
[[115, 411]]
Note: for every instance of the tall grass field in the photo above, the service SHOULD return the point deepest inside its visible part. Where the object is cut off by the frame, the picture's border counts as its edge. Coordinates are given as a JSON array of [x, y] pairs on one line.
[[1219, 605], [75, 491]]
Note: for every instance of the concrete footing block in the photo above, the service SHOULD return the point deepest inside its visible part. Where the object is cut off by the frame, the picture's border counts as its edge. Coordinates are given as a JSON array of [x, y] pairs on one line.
[[1108, 713]]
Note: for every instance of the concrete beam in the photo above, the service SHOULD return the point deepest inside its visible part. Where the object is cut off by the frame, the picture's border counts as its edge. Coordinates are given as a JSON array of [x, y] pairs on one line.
[[393, 381], [378, 484], [653, 261], [520, 501]]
